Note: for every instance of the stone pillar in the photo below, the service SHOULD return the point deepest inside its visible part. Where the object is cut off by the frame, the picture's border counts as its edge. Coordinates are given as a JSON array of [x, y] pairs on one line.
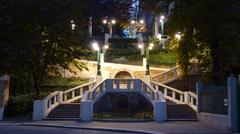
[[232, 103], [90, 27], [147, 79], [140, 41], [60, 97], [86, 108], [156, 26], [4, 93], [109, 85], [98, 79], [144, 63], [39, 110], [200, 88], [160, 111], [101, 59], [107, 37]]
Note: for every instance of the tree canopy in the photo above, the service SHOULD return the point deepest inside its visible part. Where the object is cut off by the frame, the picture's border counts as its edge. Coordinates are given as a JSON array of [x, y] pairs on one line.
[[209, 30], [37, 35]]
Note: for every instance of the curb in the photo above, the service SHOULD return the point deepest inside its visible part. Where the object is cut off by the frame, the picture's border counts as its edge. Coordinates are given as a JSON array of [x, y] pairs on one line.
[[89, 128]]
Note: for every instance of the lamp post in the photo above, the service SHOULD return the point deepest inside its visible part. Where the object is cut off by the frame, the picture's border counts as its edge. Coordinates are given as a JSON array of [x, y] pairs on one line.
[[96, 47], [110, 24], [178, 36], [162, 18], [147, 55], [100, 57], [73, 25], [136, 25]]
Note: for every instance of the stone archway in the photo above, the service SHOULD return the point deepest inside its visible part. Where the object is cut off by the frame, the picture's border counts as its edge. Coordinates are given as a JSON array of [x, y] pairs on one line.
[[123, 75]]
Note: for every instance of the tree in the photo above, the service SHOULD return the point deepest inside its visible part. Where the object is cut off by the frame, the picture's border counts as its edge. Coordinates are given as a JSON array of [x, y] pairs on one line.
[[37, 36], [209, 33], [116, 9]]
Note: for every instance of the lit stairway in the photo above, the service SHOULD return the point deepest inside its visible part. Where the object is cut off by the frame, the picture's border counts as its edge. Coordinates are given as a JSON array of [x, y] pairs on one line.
[[65, 111]]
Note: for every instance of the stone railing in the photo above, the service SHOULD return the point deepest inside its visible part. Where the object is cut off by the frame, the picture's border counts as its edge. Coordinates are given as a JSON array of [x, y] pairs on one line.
[[123, 85], [42, 108], [167, 76], [176, 95]]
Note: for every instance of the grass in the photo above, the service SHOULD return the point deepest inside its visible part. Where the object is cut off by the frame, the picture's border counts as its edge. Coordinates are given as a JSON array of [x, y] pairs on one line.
[[59, 81], [157, 57], [51, 84]]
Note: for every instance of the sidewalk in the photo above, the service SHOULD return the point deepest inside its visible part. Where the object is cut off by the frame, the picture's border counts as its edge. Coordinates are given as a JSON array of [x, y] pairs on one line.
[[152, 127]]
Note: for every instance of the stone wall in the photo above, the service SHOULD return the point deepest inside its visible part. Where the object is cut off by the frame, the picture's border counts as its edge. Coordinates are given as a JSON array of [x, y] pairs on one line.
[[109, 70], [4, 93]]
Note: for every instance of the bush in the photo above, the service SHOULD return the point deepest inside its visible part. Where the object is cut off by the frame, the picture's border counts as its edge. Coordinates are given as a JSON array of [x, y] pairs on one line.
[[123, 43], [19, 106]]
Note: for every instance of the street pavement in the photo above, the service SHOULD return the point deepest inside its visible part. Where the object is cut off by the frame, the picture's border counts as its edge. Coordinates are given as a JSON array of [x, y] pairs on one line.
[[15, 129], [96, 127]]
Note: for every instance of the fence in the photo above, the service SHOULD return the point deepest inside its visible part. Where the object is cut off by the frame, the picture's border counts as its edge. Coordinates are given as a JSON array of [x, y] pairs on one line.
[[212, 99]]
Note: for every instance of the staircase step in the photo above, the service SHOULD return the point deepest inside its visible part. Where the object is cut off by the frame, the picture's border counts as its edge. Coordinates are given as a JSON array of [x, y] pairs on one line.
[[180, 112], [65, 111]]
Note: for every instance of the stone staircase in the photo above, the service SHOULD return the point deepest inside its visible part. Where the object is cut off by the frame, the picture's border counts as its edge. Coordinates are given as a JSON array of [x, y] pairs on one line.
[[175, 112], [181, 104], [65, 111], [180, 112]]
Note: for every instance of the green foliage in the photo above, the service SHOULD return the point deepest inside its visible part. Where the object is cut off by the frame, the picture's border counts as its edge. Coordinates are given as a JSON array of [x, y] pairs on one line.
[[155, 40], [122, 43], [209, 32], [163, 58], [59, 81], [20, 106], [157, 56], [20, 103], [138, 116], [37, 35]]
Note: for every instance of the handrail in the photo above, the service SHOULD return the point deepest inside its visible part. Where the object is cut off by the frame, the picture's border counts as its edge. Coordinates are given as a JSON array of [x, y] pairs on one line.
[[51, 95], [123, 85], [86, 84], [68, 96], [167, 76], [177, 96], [167, 71]]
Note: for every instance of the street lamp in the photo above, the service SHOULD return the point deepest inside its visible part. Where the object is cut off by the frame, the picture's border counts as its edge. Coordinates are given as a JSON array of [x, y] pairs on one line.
[[136, 25], [162, 18], [110, 24], [96, 47], [147, 55], [73, 25], [178, 36]]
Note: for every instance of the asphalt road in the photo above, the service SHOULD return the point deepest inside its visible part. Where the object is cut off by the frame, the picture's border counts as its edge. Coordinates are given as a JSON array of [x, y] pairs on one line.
[[14, 129]]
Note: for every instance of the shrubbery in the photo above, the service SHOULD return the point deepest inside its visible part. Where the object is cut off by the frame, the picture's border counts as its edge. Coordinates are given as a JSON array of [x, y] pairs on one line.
[[19, 106]]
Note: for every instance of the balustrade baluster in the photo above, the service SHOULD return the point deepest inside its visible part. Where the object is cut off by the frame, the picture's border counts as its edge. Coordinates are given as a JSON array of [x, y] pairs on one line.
[[191, 100], [73, 94], [165, 91], [174, 95], [81, 91], [117, 84], [175, 73], [181, 97], [129, 84], [165, 77]]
